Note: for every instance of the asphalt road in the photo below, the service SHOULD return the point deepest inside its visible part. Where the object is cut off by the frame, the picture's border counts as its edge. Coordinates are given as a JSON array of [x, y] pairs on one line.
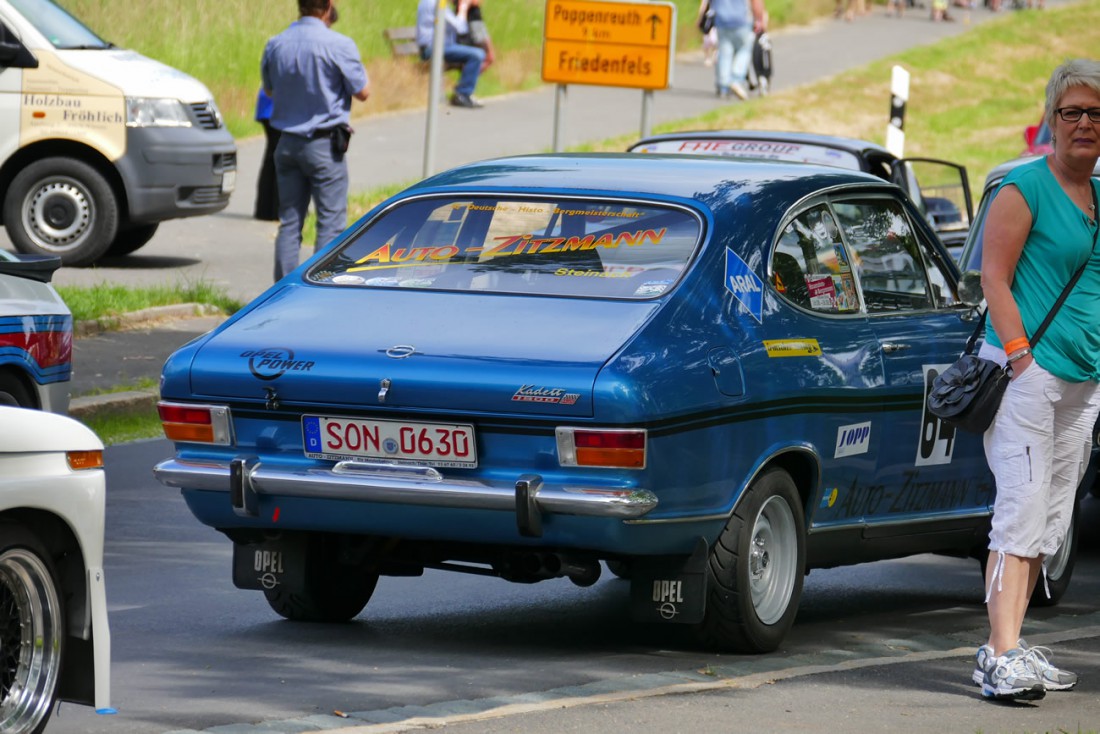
[[877, 647], [232, 250]]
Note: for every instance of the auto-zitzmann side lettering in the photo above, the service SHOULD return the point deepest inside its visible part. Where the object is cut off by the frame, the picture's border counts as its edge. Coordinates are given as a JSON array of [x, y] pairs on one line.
[[537, 394], [524, 244], [274, 362], [913, 496]]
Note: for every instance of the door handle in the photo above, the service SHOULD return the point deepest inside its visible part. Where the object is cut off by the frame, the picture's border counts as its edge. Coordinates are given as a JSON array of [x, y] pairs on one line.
[[891, 347]]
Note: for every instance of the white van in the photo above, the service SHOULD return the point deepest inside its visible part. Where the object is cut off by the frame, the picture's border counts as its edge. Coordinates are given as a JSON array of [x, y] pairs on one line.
[[98, 144]]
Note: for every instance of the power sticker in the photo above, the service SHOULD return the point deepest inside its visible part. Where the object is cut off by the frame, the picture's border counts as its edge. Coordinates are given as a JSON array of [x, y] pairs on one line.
[[792, 347], [744, 284]]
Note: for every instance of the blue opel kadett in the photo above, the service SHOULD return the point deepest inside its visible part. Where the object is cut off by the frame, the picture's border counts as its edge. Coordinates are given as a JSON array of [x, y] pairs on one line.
[[707, 374]]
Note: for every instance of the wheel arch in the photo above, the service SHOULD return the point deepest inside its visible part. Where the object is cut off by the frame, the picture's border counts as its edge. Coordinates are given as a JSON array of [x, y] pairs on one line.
[[803, 465], [60, 148], [63, 546]]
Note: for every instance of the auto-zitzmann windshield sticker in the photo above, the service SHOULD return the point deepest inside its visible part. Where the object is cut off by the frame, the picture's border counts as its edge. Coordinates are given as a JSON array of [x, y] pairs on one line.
[[744, 284], [539, 394]]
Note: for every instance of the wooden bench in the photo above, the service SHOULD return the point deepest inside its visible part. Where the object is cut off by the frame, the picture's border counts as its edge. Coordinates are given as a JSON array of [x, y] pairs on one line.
[[403, 46]]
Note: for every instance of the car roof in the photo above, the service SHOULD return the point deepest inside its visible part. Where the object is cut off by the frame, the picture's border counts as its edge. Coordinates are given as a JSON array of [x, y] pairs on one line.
[[852, 145], [1001, 170], [688, 177]]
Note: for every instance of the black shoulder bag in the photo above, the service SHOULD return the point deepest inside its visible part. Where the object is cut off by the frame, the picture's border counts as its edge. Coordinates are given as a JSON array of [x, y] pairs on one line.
[[968, 393]]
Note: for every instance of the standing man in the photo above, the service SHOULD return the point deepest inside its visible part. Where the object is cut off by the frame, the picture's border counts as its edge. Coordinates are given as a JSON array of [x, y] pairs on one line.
[[311, 73], [472, 58], [737, 23]]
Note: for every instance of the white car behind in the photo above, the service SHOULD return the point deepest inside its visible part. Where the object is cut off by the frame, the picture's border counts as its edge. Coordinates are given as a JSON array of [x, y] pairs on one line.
[[54, 637]]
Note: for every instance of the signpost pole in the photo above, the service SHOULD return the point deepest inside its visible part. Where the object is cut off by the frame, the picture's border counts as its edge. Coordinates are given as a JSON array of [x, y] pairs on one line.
[[647, 104], [435, 77], [559, 118]]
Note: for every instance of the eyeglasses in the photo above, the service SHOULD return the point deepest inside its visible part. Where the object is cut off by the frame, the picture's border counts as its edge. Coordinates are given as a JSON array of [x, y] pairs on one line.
[[1073, 114]]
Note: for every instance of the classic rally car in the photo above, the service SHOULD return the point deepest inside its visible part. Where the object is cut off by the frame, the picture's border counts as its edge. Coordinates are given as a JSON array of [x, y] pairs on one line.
[[54, 639], [939, 189], [36, 335], [708, 374]]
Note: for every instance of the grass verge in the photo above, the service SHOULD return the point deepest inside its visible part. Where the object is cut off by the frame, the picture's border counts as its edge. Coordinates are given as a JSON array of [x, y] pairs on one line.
[[104, 300], [125, 427]]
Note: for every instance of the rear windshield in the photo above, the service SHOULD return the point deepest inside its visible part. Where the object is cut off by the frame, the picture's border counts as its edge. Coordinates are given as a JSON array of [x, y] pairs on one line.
[[547, 246], [772, 150]]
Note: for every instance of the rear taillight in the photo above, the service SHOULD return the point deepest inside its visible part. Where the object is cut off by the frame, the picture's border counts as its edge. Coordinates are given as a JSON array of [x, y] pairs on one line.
[[79, 460], [196, 423], [612, 448]]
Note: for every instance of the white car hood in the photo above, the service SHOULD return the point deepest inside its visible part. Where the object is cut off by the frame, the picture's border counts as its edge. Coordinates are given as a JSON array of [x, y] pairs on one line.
[[137, 75]]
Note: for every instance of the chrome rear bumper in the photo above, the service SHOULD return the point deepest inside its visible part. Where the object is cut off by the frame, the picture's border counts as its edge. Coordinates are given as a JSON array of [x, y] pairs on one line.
[[247, 478]]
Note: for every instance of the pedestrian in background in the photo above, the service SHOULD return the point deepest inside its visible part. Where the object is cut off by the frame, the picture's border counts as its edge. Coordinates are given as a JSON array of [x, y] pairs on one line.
[[267, 188], [737, 23], [1041, 228], [471, 58], [312, 73], [478, 33]]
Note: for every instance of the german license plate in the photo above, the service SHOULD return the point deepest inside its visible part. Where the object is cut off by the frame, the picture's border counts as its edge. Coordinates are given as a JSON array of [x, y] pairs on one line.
[[425, 444]]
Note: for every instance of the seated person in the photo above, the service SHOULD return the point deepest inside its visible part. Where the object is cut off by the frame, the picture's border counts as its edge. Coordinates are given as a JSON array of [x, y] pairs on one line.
[[470, 57]]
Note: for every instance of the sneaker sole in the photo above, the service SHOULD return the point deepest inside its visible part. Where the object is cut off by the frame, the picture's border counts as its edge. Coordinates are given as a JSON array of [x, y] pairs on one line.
[[1023, 694]]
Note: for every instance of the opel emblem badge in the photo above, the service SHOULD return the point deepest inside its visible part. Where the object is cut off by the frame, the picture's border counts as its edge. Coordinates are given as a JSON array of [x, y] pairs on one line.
[[401, 351]]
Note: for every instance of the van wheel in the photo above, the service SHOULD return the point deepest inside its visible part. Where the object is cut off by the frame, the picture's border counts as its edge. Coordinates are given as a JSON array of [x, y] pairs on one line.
[[755, 571], [335, 591], [132, 239], [64, 207], [32, 632]]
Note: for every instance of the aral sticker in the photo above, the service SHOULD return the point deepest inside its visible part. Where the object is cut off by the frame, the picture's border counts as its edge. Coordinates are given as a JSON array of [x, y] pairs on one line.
[[744, 284]]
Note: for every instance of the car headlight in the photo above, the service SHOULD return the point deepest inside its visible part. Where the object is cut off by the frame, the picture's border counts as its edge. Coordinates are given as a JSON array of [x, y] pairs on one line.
[[153, 112]]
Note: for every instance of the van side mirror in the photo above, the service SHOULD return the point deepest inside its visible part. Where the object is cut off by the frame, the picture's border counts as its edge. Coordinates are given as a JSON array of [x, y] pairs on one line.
[[970, 288]]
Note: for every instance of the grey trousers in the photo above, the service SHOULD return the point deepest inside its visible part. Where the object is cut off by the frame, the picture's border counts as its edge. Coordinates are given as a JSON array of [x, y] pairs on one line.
[[306, 169]]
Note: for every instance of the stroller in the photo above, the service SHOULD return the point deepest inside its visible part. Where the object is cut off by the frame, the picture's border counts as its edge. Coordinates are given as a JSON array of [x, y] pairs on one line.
[[760, 71]]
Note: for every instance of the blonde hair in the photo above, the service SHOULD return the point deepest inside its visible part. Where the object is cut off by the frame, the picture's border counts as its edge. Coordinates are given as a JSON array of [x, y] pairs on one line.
[[1073, 73]]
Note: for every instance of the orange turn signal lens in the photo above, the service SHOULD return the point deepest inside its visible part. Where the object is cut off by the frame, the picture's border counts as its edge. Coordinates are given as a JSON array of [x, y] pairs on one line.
[[84, 459]]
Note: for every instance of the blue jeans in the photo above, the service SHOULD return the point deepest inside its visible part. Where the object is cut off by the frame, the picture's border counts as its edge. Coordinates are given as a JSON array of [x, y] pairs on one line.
[[306, 168], [471, 58], [734, 56]]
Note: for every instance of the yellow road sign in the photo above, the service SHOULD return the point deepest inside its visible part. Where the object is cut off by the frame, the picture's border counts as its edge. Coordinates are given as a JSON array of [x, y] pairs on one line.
[[618, 44]]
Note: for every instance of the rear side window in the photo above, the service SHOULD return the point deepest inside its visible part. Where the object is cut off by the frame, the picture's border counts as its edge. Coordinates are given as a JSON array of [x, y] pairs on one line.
[[810, 266], [559, 246]]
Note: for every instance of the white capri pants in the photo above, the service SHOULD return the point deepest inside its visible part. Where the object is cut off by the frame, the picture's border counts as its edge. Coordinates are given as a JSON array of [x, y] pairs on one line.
[[1038, 448]]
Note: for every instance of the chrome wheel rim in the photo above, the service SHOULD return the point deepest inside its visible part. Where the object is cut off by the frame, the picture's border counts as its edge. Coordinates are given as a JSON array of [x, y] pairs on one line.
[[773, 560], [30, 641]]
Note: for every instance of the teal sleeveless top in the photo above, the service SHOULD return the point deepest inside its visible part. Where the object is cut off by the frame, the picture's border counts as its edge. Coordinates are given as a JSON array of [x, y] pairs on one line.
[[1061, 239]]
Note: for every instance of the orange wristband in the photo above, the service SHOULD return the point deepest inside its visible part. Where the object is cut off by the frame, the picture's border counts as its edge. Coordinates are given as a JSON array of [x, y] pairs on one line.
[[1013, 344]]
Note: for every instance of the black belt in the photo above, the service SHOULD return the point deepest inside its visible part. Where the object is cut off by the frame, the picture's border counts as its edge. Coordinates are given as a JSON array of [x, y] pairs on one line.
[[322, 133]]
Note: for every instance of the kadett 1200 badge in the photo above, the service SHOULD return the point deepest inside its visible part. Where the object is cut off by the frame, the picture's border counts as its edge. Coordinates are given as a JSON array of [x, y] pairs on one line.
[[703, 374]]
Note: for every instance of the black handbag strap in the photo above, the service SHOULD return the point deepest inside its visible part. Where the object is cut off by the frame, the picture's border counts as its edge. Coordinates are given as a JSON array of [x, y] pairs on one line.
[[1061, 297]]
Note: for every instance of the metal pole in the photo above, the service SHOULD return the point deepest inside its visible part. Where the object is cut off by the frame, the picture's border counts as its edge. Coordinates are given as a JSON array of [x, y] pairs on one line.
[[435, 77], [647, 103], [559, 118]]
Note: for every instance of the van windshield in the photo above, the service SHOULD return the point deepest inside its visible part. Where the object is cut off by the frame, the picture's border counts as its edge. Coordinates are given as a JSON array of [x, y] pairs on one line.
[[57, 25]]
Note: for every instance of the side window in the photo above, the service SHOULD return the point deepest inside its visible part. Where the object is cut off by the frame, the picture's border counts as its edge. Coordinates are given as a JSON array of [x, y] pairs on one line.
[[810, 266], [887, 256]]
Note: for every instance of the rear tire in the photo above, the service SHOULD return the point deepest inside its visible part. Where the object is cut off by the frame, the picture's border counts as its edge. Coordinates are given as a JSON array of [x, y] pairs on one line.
[[14, 394], [335, 591], [132, 239], [1059, 566], [32, 632], [756, 569], [64, 207]]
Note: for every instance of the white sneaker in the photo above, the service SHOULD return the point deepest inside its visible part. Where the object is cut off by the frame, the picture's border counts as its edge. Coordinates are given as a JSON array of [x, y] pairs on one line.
[[1054, 679], [1012, 677], [738, 91]]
